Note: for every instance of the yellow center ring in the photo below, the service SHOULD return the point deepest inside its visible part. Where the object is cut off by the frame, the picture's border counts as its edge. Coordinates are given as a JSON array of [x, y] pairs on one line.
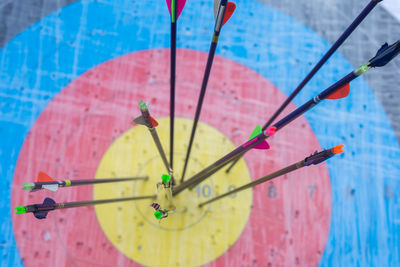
[[190, 236]]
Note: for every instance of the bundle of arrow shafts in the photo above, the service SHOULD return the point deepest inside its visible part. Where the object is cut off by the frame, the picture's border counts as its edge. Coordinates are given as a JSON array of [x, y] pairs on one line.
[[316, 158], [44, 181], [338, 90]]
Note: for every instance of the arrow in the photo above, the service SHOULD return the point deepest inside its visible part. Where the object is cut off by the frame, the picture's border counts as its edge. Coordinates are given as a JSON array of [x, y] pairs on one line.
[[175, 8], [364, 13], [147, 120], [44, 181], [316, 158], [40, 211], [225, 11], [384, 55]]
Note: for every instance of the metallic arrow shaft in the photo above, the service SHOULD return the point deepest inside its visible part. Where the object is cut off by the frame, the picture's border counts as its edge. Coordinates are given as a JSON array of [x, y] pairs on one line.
[[98, 202], [66, 183], [314, 159], [160, 149], [264, 179]]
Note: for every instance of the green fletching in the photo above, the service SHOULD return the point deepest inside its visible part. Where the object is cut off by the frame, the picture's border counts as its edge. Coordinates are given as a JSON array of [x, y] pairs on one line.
[[158, 214], [256, 132], [20, 209], [363, 68], [28, 186], [142, 106], [165, 178]]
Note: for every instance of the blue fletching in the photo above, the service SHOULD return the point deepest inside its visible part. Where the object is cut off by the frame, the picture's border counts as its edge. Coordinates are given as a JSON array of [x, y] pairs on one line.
[[385, 54], [383, 48], [49, 201], [40, 214]]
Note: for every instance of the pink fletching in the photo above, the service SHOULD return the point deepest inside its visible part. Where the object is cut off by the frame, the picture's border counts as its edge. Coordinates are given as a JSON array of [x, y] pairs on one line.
[[263, 145], [180, 5]]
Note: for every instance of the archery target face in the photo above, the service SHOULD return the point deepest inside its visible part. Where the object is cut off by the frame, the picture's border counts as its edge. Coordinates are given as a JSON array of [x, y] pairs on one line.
[[103, 144], [86, 93]]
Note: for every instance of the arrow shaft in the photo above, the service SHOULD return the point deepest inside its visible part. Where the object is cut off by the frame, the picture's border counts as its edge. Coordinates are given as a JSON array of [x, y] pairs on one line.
[[160, 149], [98, 202], [210, 59], [314, 159], [264, 179], [146, 117], [364, 13], [106, 180], [66, 183], [200, 102], [172, 80], [172, 91]]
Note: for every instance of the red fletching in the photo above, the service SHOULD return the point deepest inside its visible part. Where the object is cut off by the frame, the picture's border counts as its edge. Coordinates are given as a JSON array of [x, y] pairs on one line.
[[230, 8], [340, 93], [43, 177], [153, 121]]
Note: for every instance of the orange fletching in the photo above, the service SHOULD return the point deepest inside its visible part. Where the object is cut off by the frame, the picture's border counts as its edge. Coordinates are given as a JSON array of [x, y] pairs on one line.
[[337, 149], [43, 177], [341, 93], [230, 8]]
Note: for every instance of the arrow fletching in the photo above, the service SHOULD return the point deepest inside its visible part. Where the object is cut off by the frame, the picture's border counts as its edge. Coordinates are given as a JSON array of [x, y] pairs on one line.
[[43, 177], [153, 121], [255, 132], [216, 6], [230, 8], [340, 93], [42, 214], [385, 54], [172, 4], [139, 120], [51, 187]]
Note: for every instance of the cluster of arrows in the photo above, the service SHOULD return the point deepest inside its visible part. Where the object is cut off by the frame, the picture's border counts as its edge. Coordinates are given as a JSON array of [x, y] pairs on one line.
[[223, 10]]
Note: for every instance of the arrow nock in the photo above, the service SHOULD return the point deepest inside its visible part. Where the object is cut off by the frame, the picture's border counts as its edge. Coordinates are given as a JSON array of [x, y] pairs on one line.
[[20, 209], [28, 186]]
